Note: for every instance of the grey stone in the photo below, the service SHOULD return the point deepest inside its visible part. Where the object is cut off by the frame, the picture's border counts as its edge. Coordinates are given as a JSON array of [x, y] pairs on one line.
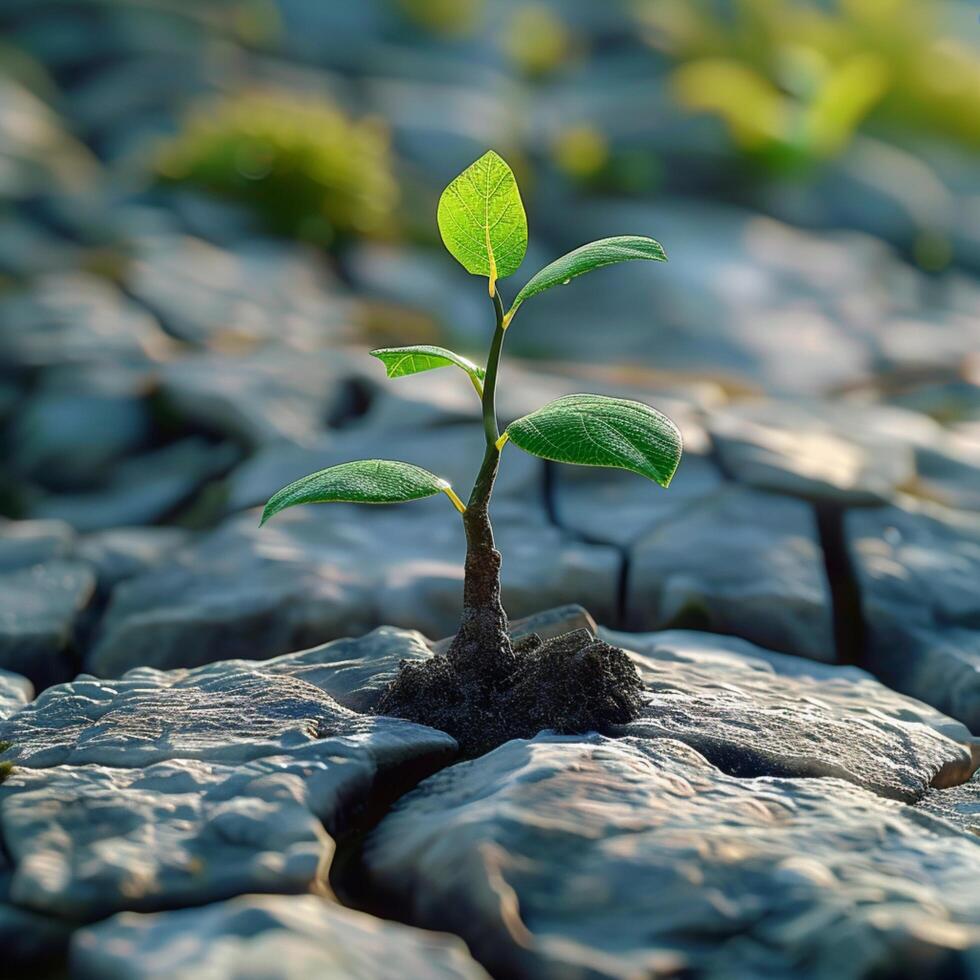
[[123, 552], [604, 858], [271, 396], [160, 790], [28, 249], [275, 937], [740, 299], [741, 562], [825, 451], [260, 291], [76, 318], [78, 424], [317, 573], [918, 568], [619, 508], [15, 692], [453, 452], [949, 470], [39, 607], [25, 543], [960, 805], [37, 155], [752, 712], [354, 671], [141, 489]]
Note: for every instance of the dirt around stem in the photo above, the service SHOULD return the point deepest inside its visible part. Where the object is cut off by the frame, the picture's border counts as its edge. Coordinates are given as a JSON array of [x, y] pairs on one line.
[[571, 684]]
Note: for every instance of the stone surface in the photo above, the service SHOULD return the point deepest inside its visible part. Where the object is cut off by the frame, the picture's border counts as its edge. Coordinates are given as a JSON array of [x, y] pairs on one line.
[[26, 543], [318, 573], [257, 291], [15, 692], [122, 552], [742, 297], [78, 424], [274, 937], [949, 470], [592, 857], [453, 452], [39, 607], [257, 398], [752, 712], [619, 508], [737, 561], [826, 451], [160, 790], [141, 489], [76, 319], [918, 569]]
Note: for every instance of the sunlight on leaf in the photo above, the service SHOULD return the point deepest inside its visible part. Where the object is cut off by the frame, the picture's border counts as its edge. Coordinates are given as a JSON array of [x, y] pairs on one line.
[[482, 220], [595, 430], [365, 481]]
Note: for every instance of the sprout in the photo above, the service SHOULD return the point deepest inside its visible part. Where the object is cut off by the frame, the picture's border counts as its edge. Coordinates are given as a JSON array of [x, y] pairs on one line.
[[483, 225]]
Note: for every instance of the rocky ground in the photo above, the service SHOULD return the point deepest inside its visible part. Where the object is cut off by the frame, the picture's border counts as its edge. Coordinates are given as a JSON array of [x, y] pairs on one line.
[[195, 784]]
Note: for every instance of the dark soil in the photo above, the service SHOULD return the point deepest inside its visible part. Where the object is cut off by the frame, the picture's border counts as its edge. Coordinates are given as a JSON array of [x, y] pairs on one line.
[[571, 684]]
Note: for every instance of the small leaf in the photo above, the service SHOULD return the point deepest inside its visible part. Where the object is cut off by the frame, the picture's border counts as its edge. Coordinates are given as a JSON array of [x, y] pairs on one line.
[[365, 481], [595, 255], [594, 430], [482, 220], [402, 361]]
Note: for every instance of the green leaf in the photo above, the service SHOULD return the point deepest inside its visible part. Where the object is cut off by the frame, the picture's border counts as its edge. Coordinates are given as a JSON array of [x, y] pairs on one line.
[[606, 251], [593, 430], [401, 361], [365, 481], [482, 220]]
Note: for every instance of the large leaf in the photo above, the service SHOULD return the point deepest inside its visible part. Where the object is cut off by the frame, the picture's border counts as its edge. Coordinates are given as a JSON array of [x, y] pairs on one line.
[[595, 255], [365, 481], [482, 220], [594, 430], [401, 361]]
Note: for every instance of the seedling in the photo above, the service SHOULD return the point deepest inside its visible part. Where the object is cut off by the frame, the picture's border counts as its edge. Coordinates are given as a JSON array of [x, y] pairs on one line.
[[484, 227]]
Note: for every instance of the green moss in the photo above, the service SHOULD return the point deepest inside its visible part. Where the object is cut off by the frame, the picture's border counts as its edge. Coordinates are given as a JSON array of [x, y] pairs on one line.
[[306, 168]]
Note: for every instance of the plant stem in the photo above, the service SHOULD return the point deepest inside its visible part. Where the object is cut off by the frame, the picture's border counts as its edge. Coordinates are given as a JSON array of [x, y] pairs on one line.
[[482, 646]]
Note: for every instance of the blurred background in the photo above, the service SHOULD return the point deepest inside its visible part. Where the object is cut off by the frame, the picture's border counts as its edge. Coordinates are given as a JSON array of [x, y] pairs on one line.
[[212, 210]]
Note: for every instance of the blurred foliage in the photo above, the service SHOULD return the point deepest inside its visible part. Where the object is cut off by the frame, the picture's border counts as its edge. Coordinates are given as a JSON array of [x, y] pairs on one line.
[[794, 79], [537, 41], [581, 151], [302, 164]]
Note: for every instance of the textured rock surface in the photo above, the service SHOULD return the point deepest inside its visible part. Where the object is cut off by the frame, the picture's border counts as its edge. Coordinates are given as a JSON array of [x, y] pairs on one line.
[[918, 569], [821, 450], [141, 489], [272, 937], [756, 713], [319, 573], [160, 790], [39, 606], [591, 857], [740, 562], [619, 508], [15, 692]]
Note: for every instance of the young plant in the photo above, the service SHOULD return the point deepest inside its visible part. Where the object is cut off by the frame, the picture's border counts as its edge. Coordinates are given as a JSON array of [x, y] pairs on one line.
[[484, 227]]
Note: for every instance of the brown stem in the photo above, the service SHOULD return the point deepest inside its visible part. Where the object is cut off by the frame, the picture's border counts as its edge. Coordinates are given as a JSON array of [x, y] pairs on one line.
[[482, 645]]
